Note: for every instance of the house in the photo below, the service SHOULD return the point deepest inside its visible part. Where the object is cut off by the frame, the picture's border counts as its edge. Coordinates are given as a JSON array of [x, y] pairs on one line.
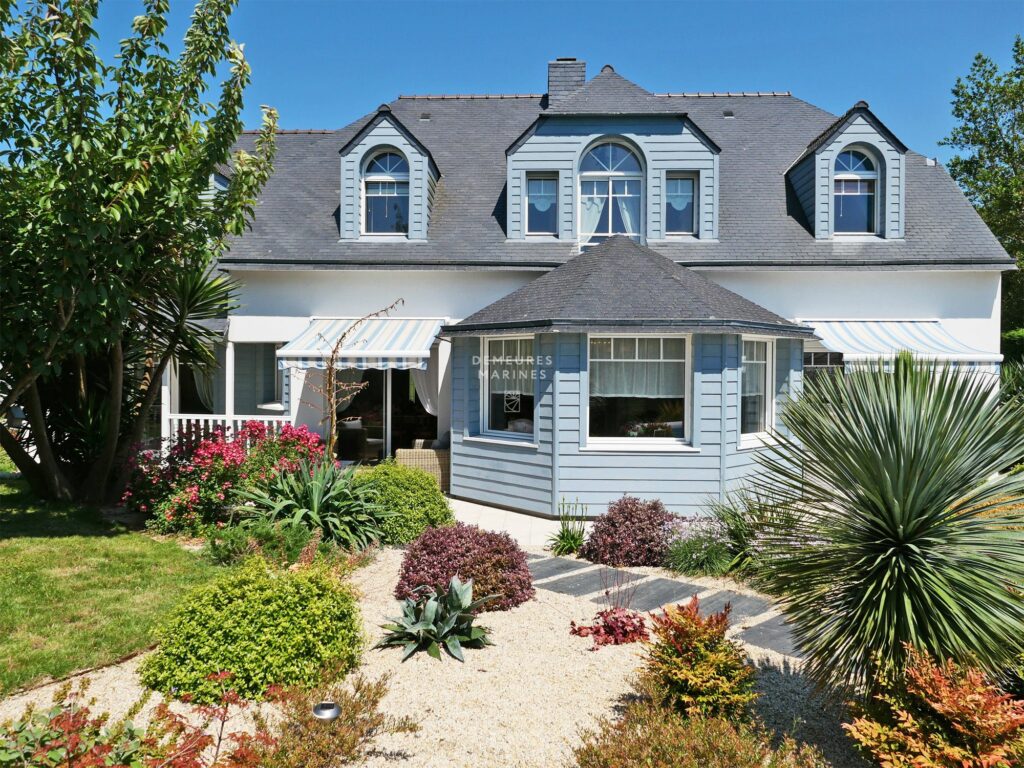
[[603, 290]]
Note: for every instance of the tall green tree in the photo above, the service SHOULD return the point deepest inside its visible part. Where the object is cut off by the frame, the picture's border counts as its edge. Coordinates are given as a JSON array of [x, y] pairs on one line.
[[109, 231], [989, 135]]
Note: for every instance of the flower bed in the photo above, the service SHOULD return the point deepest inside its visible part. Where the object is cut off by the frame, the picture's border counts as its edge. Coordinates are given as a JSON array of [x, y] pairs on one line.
[[190, 489]]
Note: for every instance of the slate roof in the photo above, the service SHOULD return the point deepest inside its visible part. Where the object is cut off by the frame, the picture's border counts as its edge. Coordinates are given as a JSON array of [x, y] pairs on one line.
[[860, 108], [622, 285], [760, 222]]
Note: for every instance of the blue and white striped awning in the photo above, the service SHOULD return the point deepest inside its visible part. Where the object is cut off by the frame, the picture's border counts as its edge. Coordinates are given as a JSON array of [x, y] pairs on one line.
[[380, 342], [861, 340]]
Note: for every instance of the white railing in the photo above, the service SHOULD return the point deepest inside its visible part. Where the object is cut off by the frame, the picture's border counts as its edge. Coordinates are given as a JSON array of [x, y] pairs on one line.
[[193, 427]]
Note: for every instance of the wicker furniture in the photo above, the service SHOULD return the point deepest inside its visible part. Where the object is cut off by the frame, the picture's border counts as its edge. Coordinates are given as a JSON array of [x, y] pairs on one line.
[[434, 461]]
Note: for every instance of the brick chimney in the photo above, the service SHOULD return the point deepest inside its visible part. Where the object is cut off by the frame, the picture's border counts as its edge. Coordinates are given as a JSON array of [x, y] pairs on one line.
[[565, 75]]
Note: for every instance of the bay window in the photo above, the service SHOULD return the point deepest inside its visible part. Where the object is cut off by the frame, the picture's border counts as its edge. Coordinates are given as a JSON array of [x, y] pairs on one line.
[[508, 385], [637, 387]]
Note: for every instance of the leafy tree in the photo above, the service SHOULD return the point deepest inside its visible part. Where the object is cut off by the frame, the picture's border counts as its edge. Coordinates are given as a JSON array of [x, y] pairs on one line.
[[989, 107], [109, 229], [904, 530]]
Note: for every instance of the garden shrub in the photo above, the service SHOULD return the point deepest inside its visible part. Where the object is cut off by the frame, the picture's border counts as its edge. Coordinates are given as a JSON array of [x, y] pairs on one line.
[[940, 715], [631, 533], [264, 626], [278, 543], [411, 499], [612, 626], [495, 563], [191, 490], [693, 667], [700, 550], [649, 736], [68, 734]]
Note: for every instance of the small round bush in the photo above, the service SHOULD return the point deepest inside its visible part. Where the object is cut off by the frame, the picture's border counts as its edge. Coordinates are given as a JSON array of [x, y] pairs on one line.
[[493, 561], [412, 495], [631, 533], [264, 626]]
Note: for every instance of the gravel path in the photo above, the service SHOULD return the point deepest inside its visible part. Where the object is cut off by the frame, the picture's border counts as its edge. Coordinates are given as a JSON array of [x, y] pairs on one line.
[[521, 702]]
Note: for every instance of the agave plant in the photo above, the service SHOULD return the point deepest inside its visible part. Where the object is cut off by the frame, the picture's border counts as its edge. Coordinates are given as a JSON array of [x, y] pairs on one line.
[[320, 496], [431, 621], [902, 527]]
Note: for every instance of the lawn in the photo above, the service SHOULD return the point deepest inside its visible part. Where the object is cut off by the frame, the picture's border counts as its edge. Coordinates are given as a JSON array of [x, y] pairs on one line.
[[76, 591]]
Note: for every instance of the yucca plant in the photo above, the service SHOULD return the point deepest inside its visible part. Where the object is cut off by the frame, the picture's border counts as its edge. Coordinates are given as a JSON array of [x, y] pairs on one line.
[[572, 530], [323, 496], [431, 621], [900, 525]]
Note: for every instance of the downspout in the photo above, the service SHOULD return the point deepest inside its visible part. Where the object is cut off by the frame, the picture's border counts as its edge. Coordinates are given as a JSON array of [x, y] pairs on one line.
[[555, 441]]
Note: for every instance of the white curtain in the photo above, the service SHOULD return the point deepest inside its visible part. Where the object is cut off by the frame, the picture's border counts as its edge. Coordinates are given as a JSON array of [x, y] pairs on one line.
[[425, 382], [637, 378], [629, 216], [204, 387], [592, 208]]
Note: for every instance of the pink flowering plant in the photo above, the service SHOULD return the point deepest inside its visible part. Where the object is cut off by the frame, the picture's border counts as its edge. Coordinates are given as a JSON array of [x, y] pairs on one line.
[[192, 489]]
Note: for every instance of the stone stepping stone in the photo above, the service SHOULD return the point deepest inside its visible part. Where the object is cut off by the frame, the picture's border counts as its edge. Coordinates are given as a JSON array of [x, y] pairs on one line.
[[774, 634], [555, 566], [532, 556], [743, 606], [655, 593], [580, 584]]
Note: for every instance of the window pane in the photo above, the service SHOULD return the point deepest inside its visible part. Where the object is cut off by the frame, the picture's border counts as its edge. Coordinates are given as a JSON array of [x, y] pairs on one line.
[[855, 213], [674, 348], [626, 215], [679, 211], [509, 387], [594, 208], [389, 164], [387, 208], [600, 349], [649, 349], [625, 349], [610, 157], [753, 387], [636, 417], [542, 211]]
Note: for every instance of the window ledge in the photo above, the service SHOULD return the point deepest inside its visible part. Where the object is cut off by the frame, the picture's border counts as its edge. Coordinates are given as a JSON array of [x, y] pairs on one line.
[[759, 440], [277, 406], [638, 446], [508, 442], [860, 238]]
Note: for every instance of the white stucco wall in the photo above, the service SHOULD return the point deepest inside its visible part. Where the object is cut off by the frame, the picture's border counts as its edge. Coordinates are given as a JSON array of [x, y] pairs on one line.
[[967, 302]]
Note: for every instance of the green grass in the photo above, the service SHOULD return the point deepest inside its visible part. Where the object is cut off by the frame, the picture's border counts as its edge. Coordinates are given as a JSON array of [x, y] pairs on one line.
[[76, 591]]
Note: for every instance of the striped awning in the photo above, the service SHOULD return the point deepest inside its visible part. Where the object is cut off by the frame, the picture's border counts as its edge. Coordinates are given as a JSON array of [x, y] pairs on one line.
[[380, 342], [861, 340]]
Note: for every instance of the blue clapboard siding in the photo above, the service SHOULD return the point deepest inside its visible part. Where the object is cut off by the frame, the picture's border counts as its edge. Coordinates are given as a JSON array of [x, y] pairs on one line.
[[804, 186], [559, 464], [890, 185], [421, 181], [665, 144]]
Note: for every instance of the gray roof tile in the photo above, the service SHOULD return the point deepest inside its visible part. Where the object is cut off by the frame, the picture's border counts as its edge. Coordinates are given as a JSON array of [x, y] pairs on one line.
[[296, 220], [620, 284]]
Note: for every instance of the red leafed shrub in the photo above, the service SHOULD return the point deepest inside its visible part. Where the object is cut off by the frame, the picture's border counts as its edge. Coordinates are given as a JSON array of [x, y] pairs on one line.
[[70, 735], [693, 667], [940, 716], [494, 562], [614, 626], [632, 532]]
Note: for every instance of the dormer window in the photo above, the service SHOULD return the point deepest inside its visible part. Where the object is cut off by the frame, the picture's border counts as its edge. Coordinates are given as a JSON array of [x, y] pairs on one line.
[[611, 193], [386, 195], [855, 205]]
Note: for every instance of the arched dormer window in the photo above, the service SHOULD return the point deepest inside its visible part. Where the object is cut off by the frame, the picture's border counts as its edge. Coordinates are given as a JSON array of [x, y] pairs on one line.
[[386, 195], [611, 193], [856, 208]]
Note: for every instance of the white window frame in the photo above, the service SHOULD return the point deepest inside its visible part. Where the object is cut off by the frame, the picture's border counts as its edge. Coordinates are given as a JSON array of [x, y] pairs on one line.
[[657, 444], [757, 439], [873, 176], [541, 176], [611, 176], [485, 395], [398, 178], [695, 177]]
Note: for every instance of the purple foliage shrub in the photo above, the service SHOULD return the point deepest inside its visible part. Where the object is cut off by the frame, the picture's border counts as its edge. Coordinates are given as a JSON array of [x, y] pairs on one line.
[[494, 562], [633, 532]]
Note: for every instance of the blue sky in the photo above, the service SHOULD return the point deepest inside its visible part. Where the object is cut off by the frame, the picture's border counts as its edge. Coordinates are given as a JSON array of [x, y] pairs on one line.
[[323, 63]]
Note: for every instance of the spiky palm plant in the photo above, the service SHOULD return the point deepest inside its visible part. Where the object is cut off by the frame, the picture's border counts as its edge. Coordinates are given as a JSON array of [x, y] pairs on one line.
[[902, 528]]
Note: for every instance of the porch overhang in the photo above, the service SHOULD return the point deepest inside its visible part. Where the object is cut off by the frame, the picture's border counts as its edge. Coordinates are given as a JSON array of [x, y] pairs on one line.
[[868, 340], [383, 343]]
